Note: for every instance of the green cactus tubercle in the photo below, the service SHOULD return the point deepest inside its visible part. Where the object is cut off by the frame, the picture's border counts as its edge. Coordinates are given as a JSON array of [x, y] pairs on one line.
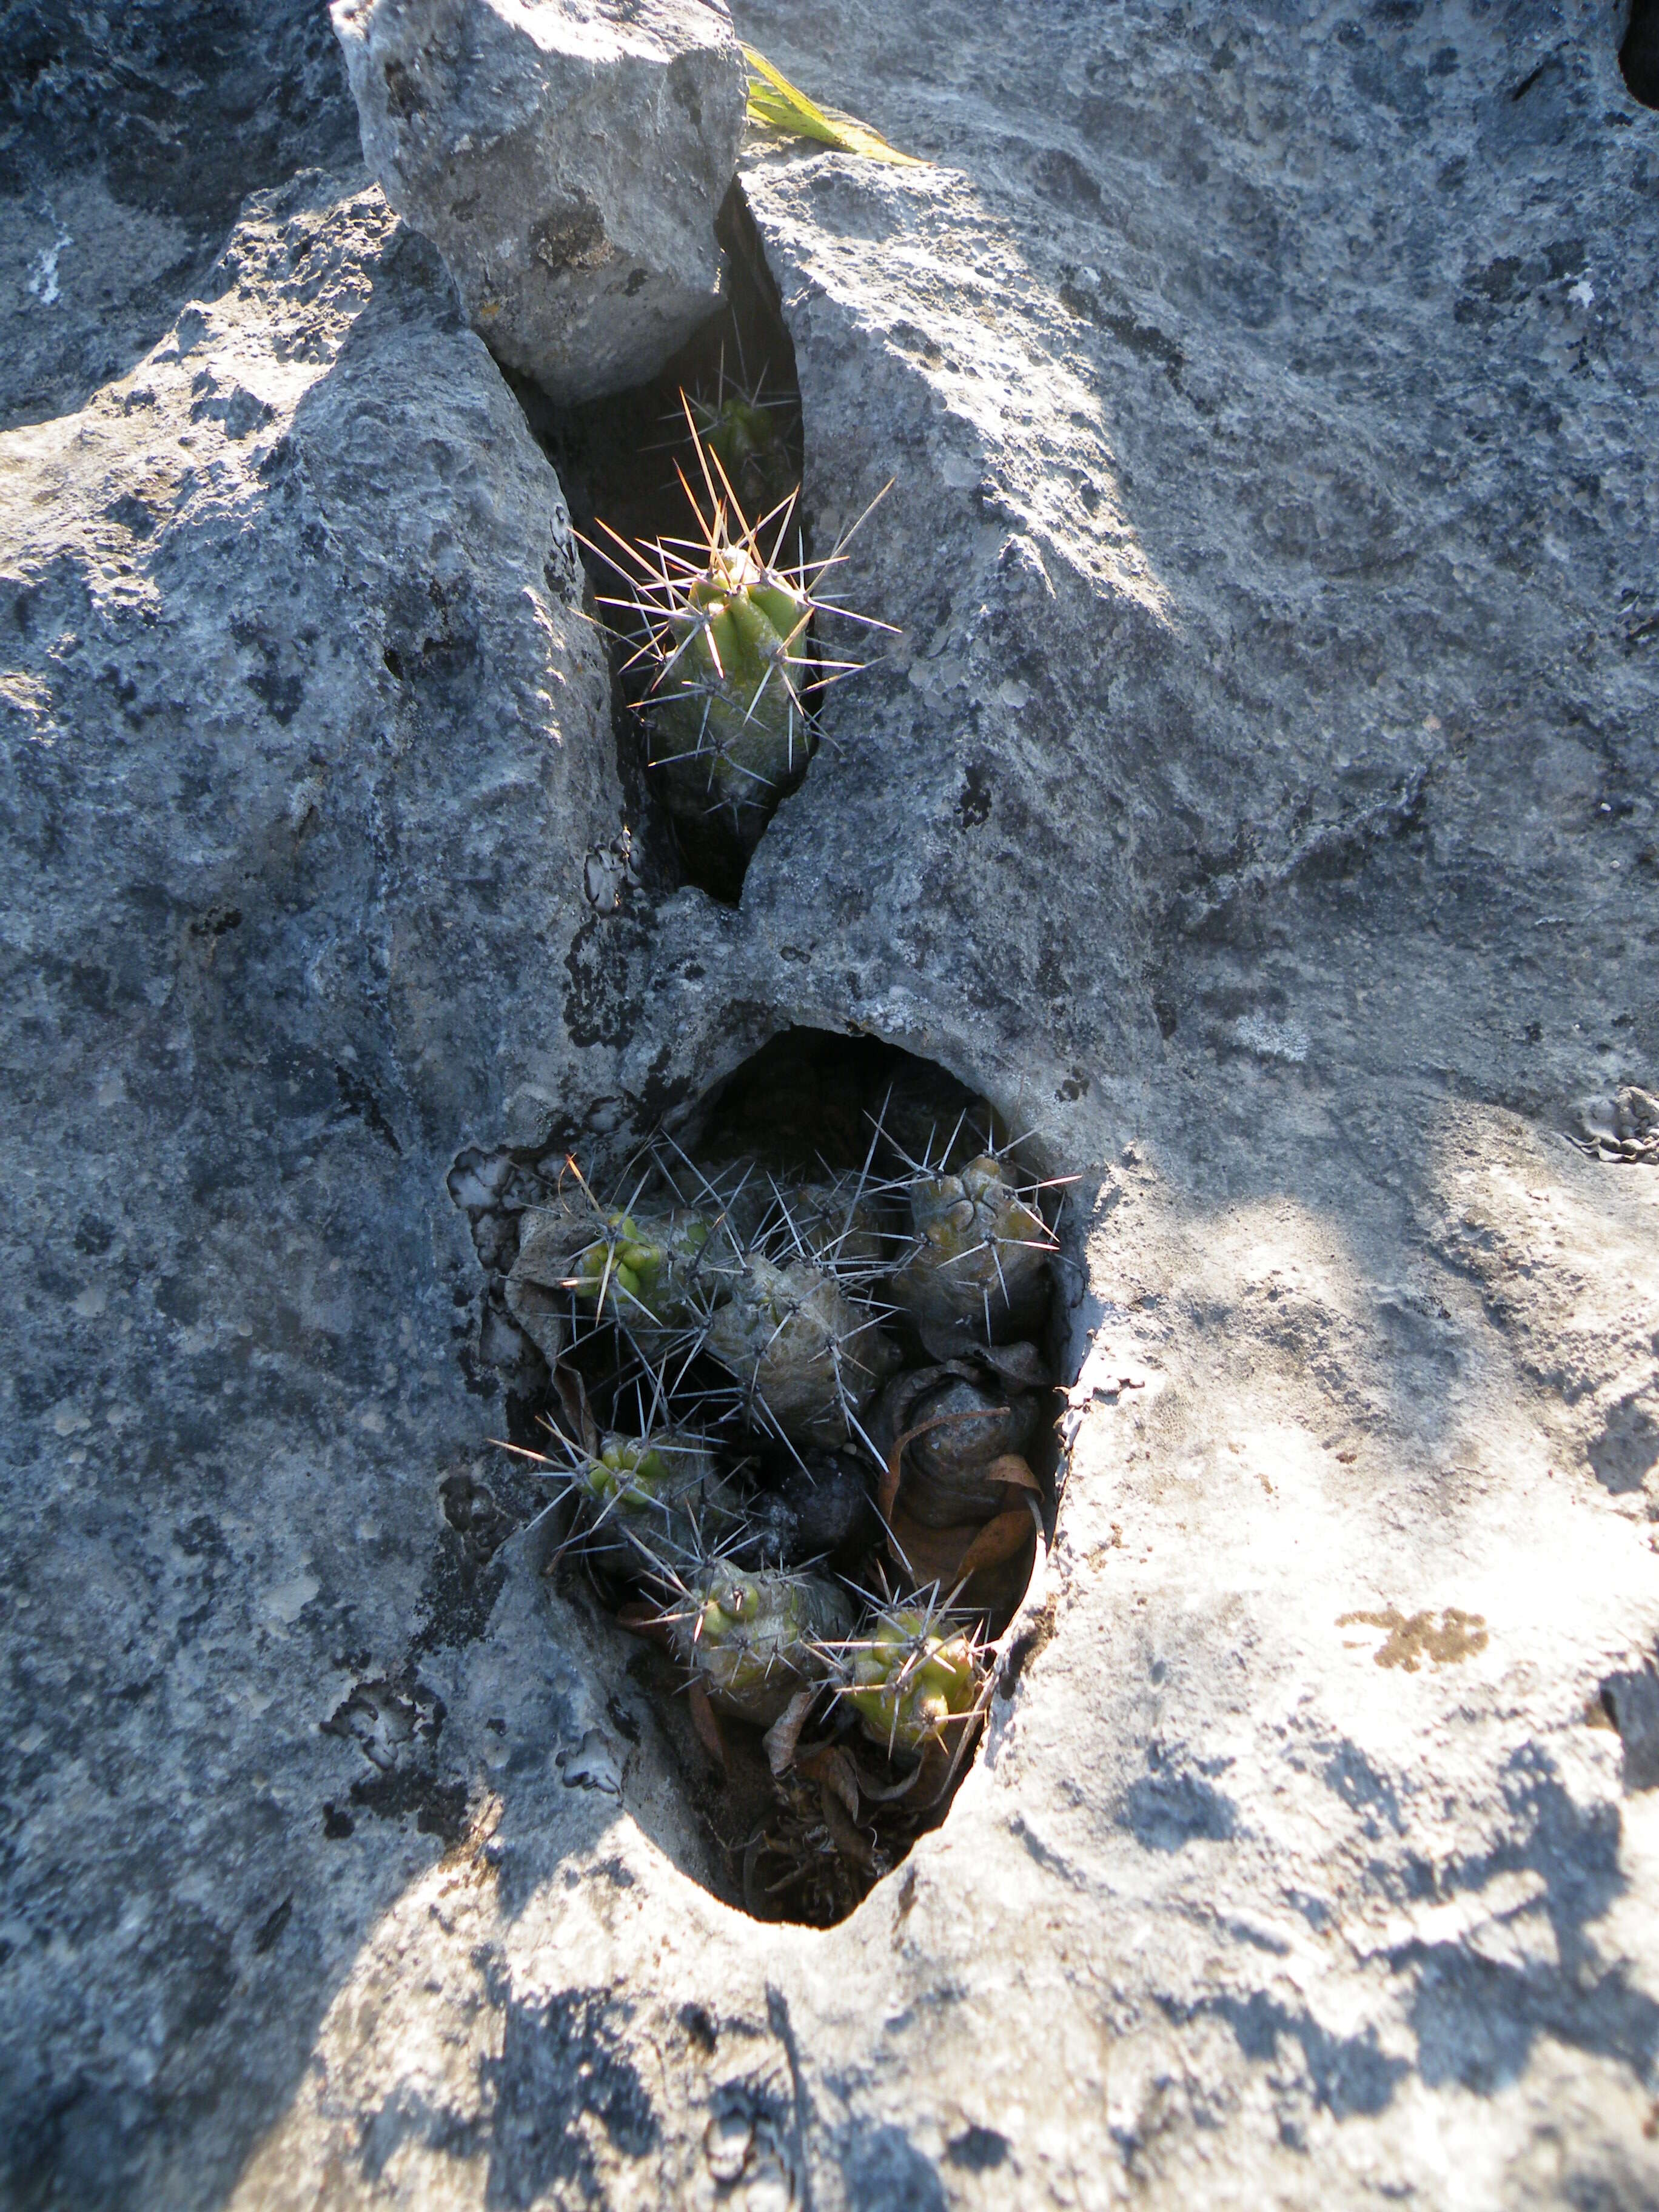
[[631, 1474], [906, 1681], [803, 1351], [976, 1238], [641, 1264], [752, 1639]]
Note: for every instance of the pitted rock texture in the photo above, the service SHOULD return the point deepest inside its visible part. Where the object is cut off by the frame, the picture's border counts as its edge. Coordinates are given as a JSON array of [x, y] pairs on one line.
[[299, 711], [568, 159], [129, 137], [1260, 804]]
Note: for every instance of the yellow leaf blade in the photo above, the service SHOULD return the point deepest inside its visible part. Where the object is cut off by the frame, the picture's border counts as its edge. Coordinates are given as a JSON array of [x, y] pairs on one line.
[[777, 105]]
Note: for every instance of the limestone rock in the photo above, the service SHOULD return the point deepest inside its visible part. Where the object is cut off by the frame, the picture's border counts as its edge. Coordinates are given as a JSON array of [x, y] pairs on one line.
[[131, 138], [1260, 804], [300, 715], [568, 159]]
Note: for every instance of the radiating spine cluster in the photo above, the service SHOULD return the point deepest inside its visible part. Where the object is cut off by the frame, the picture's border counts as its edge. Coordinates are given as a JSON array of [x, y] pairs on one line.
[[724, 667]]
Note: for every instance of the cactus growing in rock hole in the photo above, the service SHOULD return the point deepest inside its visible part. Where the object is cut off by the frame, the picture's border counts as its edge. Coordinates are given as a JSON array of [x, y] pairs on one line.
[[647, 1265], [662, 1488], [740, 426], [730, 672], [910, 1676], [979, 1261], [807, 1360], [953, 1435], [656, 1496], [752, 1639]]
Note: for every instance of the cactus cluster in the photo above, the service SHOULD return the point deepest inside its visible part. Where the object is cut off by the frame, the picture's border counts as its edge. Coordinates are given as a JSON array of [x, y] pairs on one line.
[[798, 1454]]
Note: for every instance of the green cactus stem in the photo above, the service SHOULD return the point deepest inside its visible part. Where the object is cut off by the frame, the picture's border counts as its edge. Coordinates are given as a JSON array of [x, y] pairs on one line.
[[661, 1489], [752, 1640], [581, 1264], [807, 1359], [910, 1677], [730, 728], [741, 430], [646, 1266], [979, 1260], [729, 671]]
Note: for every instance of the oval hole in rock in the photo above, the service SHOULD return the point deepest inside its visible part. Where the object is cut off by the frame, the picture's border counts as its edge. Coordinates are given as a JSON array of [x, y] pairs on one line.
[[701, 778], [796, 1373], [1638, 53]]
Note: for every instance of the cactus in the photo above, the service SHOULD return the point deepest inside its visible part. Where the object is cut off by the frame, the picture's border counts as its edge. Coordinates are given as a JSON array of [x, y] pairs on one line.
[[661, 1489], [752, 1640], [841, 1225], [740, 428], [908, 1677], [979, 1261], [581, 1262], [729, 665], [648, 1265], [807, 1359]]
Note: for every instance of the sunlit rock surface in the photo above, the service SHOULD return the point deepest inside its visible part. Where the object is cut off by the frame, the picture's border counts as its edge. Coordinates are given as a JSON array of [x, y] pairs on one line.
[[1259, 802], [568, 159]]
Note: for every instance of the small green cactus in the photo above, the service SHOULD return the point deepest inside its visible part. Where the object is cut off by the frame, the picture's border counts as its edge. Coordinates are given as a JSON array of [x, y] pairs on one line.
[[729, 666], [979, 1261], [730, 728], [807, 1359], [645, 1269], [741, 430], [661, 1489], [753, 1639], [908, 1677]]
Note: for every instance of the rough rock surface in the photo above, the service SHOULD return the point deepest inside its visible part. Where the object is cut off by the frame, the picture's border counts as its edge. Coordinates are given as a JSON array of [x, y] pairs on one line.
[[1262, 801], [569, 159], [300, 711], [129, 137]]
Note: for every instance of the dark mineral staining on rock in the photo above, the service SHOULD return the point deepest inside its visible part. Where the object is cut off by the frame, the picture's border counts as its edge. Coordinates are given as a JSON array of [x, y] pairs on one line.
[[269, 1929]]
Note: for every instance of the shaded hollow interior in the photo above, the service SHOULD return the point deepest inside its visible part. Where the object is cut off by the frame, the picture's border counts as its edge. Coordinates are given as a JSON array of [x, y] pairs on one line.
[[621, 461], [797, 1447], [1638, 54]]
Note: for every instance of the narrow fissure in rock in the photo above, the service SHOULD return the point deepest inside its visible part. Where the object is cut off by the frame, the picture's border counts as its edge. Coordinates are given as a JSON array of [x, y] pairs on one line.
[[788, 1376], [724, 419]]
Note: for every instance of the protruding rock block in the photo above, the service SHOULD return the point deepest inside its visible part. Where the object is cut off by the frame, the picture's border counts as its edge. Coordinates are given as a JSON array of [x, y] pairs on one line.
[[567, 159]]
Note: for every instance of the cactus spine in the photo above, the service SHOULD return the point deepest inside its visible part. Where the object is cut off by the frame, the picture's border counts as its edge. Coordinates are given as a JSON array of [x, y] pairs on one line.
[[908, 1677], [752, 1640], [731, 674]]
